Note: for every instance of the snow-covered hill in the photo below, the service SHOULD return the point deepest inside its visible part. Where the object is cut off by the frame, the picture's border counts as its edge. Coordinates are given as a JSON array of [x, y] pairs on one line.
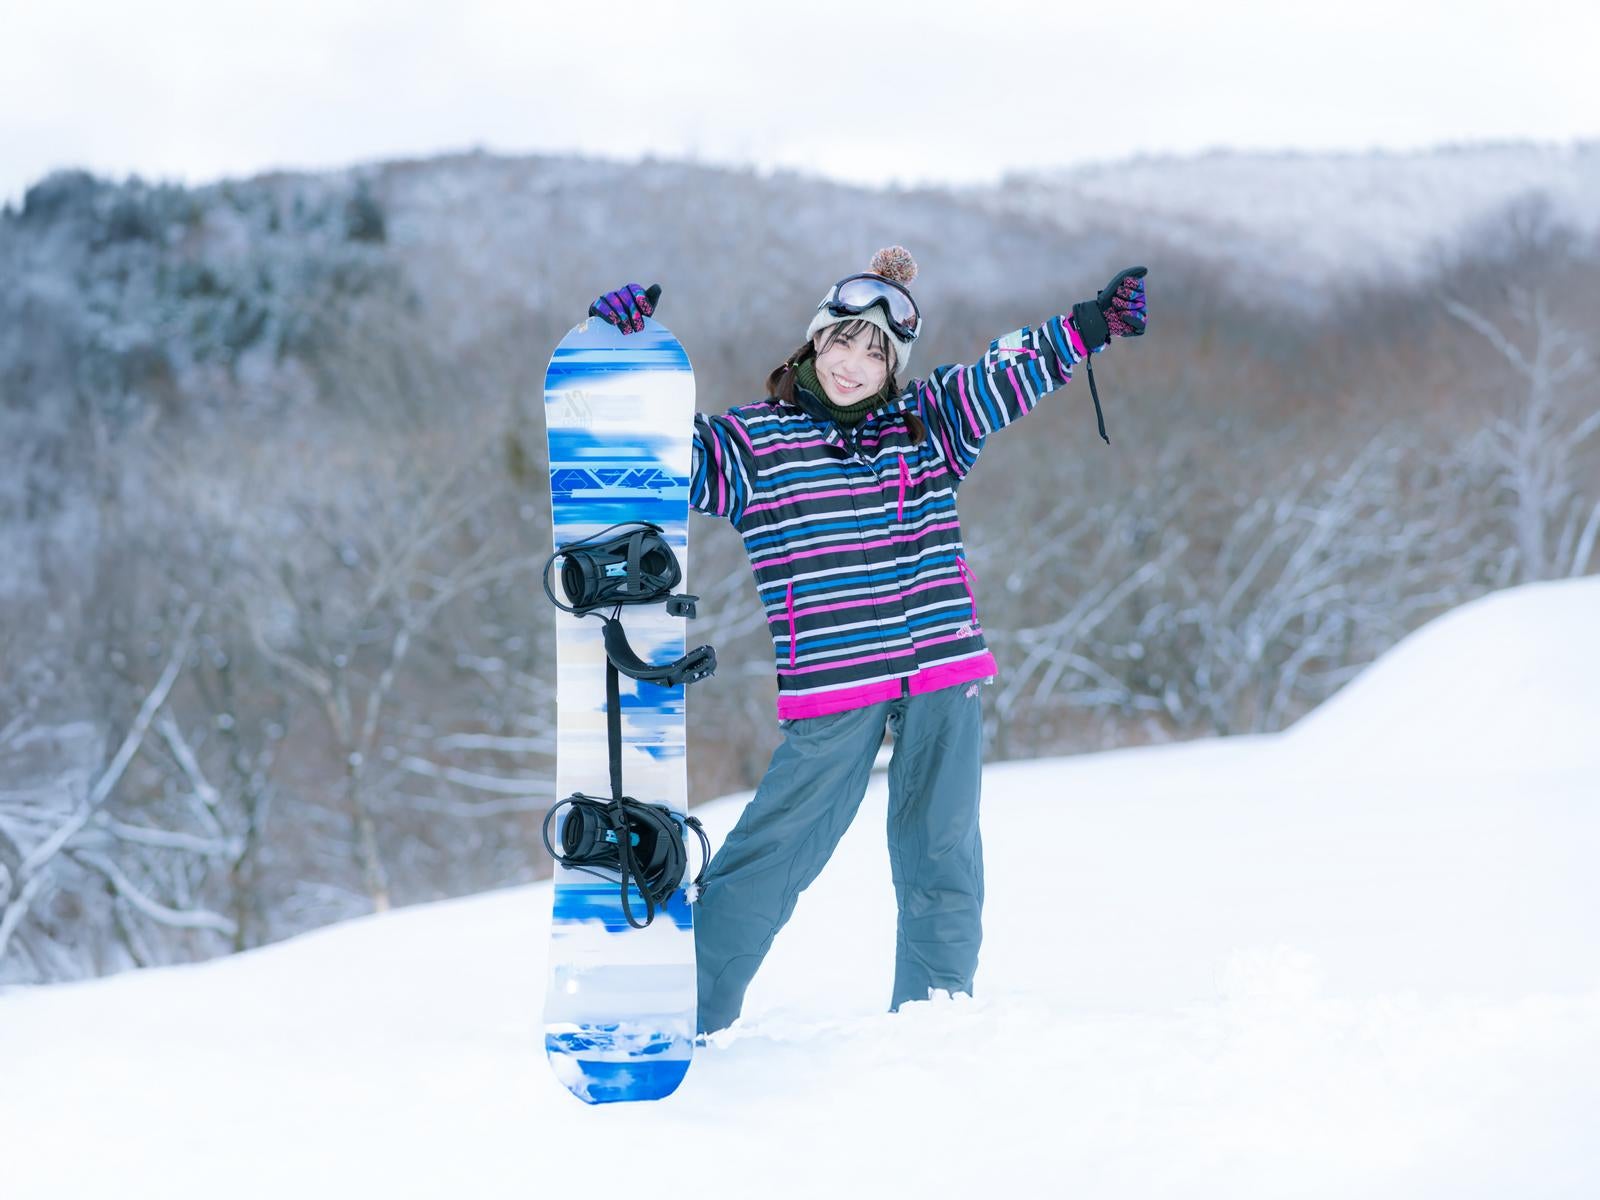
[[1311, 221], [1359, 958]]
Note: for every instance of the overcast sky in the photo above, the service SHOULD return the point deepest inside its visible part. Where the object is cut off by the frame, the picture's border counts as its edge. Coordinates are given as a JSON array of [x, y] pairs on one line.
[[195, 90]]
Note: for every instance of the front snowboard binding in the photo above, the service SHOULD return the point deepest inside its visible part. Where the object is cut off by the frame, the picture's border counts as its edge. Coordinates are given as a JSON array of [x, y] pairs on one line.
[[636, 566], [636, 843]]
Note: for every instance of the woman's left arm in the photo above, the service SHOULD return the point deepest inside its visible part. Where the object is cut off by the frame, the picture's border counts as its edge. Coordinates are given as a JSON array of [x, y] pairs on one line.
[[968, 403]]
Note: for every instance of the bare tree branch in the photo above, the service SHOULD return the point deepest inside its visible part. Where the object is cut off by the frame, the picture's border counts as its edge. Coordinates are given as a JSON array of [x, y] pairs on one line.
[[154, 909], [131, 741]]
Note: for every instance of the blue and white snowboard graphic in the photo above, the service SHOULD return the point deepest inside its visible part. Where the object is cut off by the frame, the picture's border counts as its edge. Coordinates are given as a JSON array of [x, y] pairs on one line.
[[619, 1012]]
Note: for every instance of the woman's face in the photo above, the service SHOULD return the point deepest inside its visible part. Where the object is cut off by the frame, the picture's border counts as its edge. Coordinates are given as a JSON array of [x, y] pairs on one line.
[[851, 369]]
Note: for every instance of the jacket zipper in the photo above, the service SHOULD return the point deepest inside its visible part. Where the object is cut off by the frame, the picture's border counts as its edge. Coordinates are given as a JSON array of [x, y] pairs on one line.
[[967, 580], [900, 509], [788, 604]]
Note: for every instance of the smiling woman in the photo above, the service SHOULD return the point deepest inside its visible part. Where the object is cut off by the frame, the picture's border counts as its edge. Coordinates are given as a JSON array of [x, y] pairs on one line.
[[842, 482]]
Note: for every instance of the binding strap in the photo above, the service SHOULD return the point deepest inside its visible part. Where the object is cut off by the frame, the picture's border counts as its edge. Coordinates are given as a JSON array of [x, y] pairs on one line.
[[620, 656]]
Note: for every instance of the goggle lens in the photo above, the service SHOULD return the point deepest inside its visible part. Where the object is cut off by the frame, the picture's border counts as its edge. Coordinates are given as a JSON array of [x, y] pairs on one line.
[[859, 293]]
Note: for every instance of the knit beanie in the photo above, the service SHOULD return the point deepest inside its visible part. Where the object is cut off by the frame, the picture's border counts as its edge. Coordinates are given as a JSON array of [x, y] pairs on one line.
[[893, 263]]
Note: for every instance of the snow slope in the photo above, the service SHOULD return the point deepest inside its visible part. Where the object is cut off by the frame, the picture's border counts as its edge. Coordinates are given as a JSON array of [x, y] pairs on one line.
[[1356, 958]]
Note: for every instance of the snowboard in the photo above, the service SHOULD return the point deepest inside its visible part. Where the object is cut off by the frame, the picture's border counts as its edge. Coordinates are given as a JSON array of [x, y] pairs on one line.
[[620, 1002]]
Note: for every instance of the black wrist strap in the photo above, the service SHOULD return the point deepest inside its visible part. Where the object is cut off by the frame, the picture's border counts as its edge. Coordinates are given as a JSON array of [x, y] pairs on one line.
[[1095, 332], [1099, 417]]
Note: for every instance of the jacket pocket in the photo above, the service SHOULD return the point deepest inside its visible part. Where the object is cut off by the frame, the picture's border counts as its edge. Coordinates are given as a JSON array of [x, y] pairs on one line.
[[967, 580]]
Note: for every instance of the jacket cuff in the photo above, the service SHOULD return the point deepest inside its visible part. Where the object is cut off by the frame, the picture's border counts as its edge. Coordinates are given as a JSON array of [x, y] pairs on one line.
[[1091, 324]]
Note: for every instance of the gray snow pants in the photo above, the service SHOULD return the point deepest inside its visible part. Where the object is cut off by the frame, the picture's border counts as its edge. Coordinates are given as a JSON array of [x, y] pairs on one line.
[[801, 809]]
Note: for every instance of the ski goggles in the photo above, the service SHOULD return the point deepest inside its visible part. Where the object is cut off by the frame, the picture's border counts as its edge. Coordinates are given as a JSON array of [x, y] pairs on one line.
[[854, 294]]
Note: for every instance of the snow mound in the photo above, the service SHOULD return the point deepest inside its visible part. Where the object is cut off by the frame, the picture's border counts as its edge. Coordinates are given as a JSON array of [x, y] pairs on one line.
[[1207, 971], [1509, 680]]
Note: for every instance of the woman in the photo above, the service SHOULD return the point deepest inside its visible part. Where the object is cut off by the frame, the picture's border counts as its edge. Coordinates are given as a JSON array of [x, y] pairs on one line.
[[842, 482]]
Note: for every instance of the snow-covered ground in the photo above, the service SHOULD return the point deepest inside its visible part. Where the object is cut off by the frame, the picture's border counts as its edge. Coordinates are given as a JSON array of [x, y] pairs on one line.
[[1357, 959]]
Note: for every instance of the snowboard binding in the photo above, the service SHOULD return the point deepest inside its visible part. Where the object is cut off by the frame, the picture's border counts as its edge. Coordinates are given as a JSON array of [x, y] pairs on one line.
[[634, 566], [630, 842]]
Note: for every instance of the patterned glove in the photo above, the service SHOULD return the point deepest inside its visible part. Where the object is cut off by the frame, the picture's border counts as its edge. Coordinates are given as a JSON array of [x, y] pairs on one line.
[[627, 307], [1118, 311]]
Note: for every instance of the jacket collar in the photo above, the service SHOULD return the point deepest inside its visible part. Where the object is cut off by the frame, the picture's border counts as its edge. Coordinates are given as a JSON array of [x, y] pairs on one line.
[[832, 433]]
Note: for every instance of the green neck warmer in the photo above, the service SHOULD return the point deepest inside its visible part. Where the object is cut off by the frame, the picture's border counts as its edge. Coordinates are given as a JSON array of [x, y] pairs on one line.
[[806, 377]]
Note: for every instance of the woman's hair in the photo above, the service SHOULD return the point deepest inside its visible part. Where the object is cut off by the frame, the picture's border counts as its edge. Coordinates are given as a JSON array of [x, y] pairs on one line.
[[781, 382]]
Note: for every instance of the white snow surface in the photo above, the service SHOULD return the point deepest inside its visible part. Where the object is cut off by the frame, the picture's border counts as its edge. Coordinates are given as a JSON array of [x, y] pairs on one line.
[[1358, 958]]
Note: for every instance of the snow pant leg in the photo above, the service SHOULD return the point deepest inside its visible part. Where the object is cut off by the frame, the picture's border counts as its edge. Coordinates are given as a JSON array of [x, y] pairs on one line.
[[935, 851], [782, 839]]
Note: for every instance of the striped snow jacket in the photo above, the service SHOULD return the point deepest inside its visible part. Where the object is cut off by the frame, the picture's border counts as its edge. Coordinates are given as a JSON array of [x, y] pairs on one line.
[[853, 534]]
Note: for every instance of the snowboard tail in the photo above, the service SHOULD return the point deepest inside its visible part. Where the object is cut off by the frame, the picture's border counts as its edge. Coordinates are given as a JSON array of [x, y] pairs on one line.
[[619, 1017]]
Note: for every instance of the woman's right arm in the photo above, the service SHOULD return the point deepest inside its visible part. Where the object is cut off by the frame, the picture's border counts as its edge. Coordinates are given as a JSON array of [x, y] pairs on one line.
[[719, 465]]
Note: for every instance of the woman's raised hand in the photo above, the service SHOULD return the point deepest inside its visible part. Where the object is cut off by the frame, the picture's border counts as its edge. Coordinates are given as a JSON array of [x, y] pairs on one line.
[[1123, 302], [1118, 311], [628, 306]]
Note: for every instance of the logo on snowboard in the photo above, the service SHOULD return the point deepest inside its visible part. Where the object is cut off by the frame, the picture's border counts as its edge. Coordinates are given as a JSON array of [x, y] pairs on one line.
[[592, 483]]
